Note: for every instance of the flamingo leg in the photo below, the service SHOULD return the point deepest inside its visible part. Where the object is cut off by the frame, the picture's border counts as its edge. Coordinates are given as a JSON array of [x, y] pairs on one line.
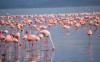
[[14, 45], [25, 43], [0, 44], [89, 40], [32, 43], [95, 29], [29, 45], [40, 42], [46, 44], [90, 53], [46, 56]]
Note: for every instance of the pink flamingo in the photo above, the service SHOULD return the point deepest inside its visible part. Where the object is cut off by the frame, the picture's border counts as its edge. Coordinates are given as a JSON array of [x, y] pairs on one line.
[[43, 27], [77, 25], [33, 38], [89, 33], [30, 38], [17, 39], [2, 37], [68, 27], [12, 26], [96, 25], [2, 22], [9, 39], [24, 37]]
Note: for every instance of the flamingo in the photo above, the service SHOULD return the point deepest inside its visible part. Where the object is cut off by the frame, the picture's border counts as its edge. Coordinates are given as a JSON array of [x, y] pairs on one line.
[[43, 27], [2, 37], [46, 34], [8, 39], [65, 20], [17, 38], [96, 25], [77, 25], [2, 22], [30, 37], [24, 37], [89, 34]]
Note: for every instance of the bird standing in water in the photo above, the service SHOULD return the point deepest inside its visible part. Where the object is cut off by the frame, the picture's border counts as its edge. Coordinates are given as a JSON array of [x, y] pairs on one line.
[[46, 34], [89, 34]]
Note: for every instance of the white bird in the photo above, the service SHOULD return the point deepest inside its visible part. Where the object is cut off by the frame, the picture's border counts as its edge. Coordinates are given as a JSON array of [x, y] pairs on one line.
[[46, 33]]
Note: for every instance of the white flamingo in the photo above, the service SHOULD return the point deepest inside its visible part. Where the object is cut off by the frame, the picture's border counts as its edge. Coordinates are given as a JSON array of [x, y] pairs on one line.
[[46, 33]]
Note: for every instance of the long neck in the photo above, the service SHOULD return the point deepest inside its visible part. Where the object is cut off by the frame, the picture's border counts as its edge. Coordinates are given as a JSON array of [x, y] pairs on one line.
[[51, 40]]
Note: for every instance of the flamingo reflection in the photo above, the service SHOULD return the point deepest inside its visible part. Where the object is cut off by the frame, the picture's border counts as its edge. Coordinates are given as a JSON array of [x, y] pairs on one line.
[[90, 52]]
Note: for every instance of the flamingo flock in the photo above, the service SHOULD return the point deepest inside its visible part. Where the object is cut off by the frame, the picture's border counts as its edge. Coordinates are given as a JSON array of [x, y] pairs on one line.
[[34, 28]]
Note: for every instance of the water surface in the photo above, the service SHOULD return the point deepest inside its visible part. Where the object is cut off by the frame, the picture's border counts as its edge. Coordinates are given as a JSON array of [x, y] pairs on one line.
[[72, 47]]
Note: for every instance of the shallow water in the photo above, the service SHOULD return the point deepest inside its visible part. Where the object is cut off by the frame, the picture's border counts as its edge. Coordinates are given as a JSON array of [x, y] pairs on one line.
[[70, 47], [74, 46]]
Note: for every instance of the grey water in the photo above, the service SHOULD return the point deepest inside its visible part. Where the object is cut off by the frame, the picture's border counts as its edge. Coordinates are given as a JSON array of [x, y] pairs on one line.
[[55, 10], [71, 47]]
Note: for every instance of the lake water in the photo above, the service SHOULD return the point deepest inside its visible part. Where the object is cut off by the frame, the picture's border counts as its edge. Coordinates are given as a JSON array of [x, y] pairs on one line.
[[70, 47], [49, 10]]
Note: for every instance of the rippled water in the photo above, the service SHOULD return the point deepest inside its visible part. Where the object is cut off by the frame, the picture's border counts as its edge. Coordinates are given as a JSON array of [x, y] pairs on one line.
[[70, 47]]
